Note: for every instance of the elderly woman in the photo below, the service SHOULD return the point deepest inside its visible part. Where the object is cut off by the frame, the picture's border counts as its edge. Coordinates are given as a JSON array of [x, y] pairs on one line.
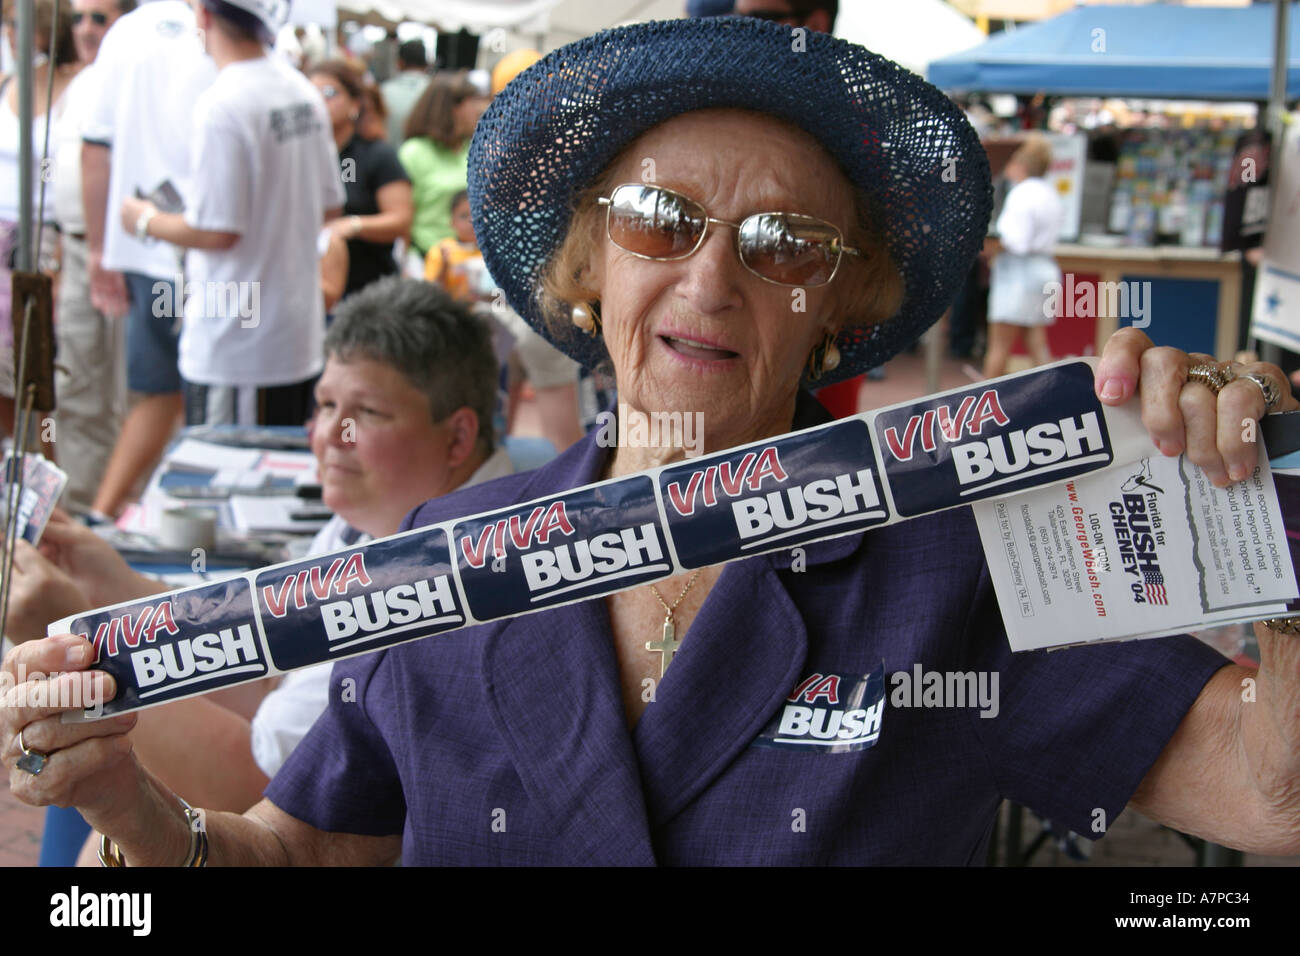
[[726, 210]]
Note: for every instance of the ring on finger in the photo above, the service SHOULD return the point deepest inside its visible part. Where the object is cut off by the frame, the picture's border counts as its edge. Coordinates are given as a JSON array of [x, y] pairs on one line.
[[1213, 377], [1282, 625], [32, 761], [1269, 388]]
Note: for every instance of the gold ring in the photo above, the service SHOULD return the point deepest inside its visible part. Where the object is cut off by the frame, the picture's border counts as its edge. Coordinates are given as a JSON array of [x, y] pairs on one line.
[[1282, 625], [1213, 377]]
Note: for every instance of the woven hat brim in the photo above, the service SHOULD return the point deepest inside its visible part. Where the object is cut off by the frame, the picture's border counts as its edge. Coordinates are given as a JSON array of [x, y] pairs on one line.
[[558, 124]]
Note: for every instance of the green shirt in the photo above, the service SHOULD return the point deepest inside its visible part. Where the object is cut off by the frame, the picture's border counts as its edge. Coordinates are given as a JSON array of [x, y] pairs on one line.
[[437, 174]]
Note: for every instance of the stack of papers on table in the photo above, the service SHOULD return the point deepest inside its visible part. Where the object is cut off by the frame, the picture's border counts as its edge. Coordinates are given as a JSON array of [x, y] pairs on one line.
[[277, 513]]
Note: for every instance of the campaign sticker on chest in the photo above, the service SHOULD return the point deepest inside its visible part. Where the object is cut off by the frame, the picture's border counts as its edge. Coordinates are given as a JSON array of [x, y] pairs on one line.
[[561, 549], [829, 713], [773, 495], [993, 439], [383, 593], [176, 645]]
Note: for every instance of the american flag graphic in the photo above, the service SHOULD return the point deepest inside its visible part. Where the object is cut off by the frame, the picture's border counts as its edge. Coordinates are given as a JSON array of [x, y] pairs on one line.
[[1155, 586]]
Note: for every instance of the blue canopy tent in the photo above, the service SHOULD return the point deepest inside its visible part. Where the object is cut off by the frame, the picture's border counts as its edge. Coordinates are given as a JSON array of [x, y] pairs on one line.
[[1156, 51]]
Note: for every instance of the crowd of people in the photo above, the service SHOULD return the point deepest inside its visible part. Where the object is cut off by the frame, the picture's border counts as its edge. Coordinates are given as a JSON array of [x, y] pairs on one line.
[[565, 735], [209, 205], [209, 212]]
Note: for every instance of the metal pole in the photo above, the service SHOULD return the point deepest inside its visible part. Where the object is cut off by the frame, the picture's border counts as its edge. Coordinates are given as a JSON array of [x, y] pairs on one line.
[[1281, 60], [1273, 121], [1269, 352], [26, 257]]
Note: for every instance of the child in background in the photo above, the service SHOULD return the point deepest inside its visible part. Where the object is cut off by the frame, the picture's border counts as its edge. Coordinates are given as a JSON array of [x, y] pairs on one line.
[[456, 264]]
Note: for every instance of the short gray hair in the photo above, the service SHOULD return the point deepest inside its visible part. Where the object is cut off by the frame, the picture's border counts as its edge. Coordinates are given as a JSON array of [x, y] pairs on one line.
[[437, 343]]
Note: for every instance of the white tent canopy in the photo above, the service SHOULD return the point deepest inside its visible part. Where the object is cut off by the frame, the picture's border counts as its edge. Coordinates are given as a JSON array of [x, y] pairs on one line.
[[323, 13], [574, 19], [911, 34], [478, 16]]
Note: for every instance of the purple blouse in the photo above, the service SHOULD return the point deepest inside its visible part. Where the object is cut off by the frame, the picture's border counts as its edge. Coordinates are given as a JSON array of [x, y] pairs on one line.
[[507, 743]]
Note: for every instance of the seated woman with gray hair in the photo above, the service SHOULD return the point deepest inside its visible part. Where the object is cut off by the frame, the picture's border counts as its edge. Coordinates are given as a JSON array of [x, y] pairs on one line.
[[404, 414], [722, 220]]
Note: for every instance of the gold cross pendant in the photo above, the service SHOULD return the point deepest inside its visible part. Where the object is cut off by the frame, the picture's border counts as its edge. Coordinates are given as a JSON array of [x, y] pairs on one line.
[[666, 647]]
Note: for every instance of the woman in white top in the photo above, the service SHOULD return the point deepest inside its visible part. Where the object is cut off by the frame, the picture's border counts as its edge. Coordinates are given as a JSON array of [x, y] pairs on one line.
[[60, 56], [1019, 279]]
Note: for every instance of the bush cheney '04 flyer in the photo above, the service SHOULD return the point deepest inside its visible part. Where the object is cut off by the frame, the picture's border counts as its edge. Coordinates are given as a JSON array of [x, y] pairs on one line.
[[1007, 436], [1140, 551]]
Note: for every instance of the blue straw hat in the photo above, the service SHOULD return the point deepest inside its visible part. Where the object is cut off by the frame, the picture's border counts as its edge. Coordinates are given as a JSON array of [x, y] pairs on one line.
[[555, 128]]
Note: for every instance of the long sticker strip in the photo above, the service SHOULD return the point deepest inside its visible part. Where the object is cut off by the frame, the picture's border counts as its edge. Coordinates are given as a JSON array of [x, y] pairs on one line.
[[989, 440]]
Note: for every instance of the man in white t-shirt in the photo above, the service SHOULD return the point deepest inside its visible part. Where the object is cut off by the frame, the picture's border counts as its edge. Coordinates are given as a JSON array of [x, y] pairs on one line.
[[264, 177], [135, 130]]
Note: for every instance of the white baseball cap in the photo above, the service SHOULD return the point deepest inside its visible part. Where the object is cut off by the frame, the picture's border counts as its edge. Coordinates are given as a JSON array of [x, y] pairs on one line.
[[272, 14]]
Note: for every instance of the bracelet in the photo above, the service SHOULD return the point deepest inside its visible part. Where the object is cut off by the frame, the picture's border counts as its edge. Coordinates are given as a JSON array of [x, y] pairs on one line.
[[1282, 625], [142, 223], [356, 227], [110, 854]]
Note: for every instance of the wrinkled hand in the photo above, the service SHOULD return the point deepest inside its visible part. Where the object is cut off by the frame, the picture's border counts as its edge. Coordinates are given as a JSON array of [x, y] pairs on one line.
[[89, 765], [107, 288], [39, 593], [1187, 416], [92, 564]]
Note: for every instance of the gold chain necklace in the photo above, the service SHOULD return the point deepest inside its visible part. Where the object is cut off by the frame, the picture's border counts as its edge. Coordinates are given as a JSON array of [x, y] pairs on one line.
[[668, 646]]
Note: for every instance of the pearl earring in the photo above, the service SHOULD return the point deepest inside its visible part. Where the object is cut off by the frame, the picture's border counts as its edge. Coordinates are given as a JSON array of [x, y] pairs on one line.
[[585, 318], [824, 358], [832, 360]]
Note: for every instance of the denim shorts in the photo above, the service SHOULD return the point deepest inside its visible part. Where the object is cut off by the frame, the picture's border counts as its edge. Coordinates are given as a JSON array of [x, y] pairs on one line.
[[153, 341]]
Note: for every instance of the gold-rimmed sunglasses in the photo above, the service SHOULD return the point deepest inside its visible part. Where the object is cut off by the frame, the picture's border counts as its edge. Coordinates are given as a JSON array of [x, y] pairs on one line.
[[783, 248]]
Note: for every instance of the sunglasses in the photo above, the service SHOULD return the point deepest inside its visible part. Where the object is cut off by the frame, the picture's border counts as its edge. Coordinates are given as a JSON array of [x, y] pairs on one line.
[[97, 18], [783, 248]]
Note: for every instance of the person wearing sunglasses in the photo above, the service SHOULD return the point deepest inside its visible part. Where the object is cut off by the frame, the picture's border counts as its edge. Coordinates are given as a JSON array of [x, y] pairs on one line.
[[378, 210], [662, 202], [91, 20]]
